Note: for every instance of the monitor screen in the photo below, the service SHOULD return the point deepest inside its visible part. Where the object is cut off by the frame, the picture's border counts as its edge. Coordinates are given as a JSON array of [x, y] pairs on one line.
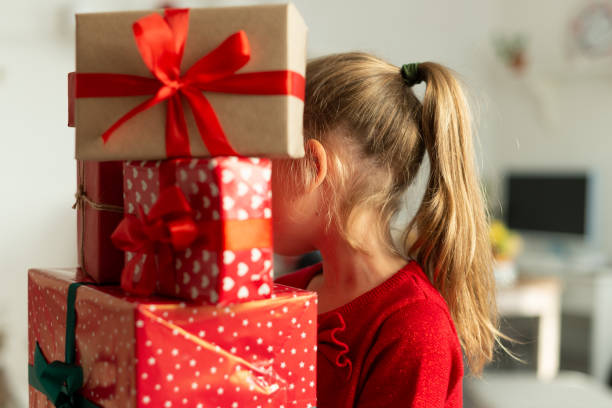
[[547, 202]]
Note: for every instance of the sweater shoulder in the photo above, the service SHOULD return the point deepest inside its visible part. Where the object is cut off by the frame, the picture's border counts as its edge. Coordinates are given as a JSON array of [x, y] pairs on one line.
[[411, 312], [421, 316], [420, 331], [415, 356]]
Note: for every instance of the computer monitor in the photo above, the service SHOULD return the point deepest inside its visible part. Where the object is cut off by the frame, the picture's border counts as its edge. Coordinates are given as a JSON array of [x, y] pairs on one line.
[[547, 202]]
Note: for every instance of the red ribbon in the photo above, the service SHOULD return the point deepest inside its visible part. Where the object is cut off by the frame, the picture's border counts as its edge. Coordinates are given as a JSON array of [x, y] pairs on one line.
[[161, 41], [169, 227]]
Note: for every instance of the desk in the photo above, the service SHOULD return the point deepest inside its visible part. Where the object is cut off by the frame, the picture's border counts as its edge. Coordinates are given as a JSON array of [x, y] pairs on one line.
[[537, 297], [590, 295]]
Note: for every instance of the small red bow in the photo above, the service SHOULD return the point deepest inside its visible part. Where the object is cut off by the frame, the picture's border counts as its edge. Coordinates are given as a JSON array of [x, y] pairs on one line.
[[161, 41], [168, 227]]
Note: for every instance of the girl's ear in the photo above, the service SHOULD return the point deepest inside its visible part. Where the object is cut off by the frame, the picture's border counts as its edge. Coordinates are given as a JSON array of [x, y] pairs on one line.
[[318, 155]]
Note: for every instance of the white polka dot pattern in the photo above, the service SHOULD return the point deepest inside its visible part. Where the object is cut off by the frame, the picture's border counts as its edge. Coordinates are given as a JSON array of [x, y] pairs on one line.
[[159, 352], [223, 189]]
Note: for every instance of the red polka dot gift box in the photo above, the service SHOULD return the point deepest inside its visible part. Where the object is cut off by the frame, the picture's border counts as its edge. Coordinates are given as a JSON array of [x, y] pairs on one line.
[[95, 346], [198, 229]]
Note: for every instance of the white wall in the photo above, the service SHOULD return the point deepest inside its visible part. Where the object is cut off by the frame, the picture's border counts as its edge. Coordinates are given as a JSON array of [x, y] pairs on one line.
[[559, 115], [37, 170], [37, 180]]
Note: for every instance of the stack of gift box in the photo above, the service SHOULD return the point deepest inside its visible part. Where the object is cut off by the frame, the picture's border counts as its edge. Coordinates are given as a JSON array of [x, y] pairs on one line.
[[177, 114]]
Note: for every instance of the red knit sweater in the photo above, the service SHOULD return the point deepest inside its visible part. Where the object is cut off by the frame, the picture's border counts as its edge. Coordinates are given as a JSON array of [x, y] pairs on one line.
[[393, 346]]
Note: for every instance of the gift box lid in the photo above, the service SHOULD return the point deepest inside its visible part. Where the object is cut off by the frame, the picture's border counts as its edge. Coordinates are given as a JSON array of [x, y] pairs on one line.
[[54, 277]]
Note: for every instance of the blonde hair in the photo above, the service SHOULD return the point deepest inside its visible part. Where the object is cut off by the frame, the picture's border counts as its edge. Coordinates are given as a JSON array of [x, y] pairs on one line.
[[376, 133]]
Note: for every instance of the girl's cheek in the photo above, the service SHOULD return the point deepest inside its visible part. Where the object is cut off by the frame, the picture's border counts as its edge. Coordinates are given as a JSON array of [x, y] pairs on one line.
[[280, 189], [288, 228], [280, 208]]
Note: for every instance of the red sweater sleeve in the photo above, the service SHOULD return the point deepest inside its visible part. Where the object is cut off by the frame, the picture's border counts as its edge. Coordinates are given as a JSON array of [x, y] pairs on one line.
[[416, 362]]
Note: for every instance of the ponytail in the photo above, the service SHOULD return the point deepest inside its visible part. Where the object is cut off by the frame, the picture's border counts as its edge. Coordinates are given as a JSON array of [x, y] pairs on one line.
[[452, 239]]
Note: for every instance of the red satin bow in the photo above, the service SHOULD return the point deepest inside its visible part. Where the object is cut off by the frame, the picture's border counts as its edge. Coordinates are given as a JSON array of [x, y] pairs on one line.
[[161, 42], [168, 227]]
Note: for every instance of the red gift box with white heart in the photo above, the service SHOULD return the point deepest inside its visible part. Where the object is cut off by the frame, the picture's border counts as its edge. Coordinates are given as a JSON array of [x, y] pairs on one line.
[[198, 229], [139, 352]]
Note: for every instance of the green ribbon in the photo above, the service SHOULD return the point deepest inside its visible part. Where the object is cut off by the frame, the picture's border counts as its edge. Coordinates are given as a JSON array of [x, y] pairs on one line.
[[60, 380], [410, 73]]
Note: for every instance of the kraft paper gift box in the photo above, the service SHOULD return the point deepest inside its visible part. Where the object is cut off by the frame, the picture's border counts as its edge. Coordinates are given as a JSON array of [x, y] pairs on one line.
[[227, 200], [117, 351], [99, 208], [219, 81]]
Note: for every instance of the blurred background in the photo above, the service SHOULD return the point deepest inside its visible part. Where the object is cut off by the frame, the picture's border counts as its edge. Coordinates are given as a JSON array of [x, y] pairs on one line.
[[540, 77]]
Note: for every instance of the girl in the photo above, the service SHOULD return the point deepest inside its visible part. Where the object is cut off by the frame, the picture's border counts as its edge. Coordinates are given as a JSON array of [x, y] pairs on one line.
[[392, 319]]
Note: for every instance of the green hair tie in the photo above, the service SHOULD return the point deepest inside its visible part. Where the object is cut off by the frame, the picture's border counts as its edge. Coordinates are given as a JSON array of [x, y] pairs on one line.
[[410, 73]]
